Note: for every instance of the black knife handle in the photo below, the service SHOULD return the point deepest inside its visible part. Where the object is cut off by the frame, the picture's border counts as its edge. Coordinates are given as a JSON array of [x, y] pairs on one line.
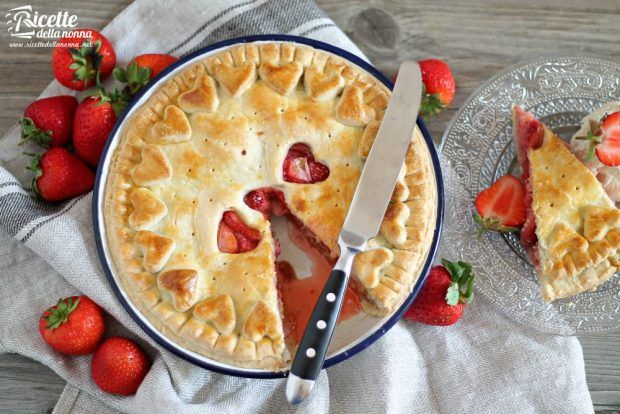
[[318, 334]]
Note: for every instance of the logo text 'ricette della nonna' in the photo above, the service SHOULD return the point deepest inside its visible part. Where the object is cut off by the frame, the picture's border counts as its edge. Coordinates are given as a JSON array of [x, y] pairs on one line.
[[24, 23]]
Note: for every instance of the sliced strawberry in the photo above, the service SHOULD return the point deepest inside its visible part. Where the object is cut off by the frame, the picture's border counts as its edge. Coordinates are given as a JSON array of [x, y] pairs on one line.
[[234, 236], [226, 241], [501, 207], [605, 142], [301, 167]]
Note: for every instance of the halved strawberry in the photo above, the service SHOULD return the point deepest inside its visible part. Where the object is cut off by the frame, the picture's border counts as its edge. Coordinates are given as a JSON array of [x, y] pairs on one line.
[[501, 207], [605, 142], [301, 167]]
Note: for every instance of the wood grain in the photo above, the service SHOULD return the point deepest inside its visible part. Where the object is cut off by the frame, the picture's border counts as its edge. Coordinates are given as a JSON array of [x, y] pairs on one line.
[[477, 38]]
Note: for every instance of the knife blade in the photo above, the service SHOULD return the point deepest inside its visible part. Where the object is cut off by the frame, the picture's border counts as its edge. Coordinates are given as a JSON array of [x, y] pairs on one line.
[[370, 201]]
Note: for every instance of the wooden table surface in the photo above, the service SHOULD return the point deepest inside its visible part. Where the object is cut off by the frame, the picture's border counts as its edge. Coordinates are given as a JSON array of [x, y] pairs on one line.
[[478, 38]]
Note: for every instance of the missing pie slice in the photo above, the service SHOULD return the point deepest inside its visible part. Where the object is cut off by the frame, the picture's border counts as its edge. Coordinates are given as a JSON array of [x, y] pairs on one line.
[[572, 232], [252, 130]]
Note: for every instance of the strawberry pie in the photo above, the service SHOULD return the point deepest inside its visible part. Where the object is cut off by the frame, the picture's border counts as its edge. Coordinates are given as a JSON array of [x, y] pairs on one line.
[[572, 227], [602, 158], [223, 144]]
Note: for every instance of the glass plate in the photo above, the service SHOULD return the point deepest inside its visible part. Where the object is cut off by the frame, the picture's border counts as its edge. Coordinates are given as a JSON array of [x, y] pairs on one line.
[[477, 149]]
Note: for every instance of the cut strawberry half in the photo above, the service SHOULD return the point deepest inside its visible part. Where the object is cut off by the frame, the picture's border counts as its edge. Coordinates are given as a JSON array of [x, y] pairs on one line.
[[234, 236], [605, 142], [301, 167], [501, 207]]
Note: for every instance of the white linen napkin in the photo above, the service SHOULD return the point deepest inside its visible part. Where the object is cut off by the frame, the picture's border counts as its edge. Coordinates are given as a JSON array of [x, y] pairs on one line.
[[483, 364]]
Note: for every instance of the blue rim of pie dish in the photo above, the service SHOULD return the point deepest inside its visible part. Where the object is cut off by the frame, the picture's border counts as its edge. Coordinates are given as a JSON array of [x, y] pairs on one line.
[[182, 352]]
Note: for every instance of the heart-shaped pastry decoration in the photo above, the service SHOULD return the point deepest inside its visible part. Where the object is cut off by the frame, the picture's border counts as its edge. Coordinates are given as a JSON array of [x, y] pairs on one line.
[[174, 128], [147, 209], [156, 249], [235, 79], [352, 110], [154, 167], [368, 138], [203, 97], [393, 224], [368, 265], [322, 86], [281, 78], [220, 311], [261, 322], [181, 287]]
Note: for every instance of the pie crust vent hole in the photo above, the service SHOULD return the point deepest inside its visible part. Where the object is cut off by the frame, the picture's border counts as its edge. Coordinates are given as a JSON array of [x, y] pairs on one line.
[[235, 236], [301, 167]]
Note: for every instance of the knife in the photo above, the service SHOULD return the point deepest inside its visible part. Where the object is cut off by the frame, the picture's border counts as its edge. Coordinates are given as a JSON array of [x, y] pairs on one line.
[[370, 201]]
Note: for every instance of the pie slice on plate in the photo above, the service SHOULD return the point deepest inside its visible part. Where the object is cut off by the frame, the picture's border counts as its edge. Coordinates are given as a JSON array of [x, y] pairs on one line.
[[572, 231], [253, 130]]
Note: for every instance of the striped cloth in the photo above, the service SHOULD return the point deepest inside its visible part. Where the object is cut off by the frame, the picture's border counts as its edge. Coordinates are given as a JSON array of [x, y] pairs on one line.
[[483, 363]]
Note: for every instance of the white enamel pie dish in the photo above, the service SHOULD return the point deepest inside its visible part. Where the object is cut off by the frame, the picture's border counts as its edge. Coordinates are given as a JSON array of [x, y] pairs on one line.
[[352, 335]]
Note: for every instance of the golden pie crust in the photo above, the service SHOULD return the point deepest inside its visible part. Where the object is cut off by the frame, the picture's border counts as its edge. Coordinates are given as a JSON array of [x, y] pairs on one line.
[[215, 131], [577, 224]]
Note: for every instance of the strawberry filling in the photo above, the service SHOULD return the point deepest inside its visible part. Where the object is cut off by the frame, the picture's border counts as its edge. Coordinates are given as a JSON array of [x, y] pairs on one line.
[[234, 236], [301, 167], [298, 296], [528, 134]]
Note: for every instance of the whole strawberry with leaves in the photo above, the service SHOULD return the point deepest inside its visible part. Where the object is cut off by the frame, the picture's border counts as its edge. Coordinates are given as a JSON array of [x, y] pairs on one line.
[[60, 175], [447, 290], [141, 70], [74, 326], [439, 86], [82, 59], [94, 118], [48, 121]]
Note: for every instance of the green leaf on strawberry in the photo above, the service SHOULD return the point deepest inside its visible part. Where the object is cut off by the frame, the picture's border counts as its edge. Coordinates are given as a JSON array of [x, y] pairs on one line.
[[60, 314], [461, 289], [30, 132]]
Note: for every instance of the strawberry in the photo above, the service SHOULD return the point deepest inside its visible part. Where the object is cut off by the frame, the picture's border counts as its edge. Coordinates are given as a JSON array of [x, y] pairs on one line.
[[605, 142], [267, 200], [234, 236], [301, 167], [119, 366], [81, 67], [444, 295], [501, 207], [60, 175], [94, 118], [142, 69], [74, 326], [48, 121], [439, 86]]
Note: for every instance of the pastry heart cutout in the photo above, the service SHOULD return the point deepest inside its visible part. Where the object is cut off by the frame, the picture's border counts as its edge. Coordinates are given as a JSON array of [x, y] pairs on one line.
[[352, 110], [564, 241], [220, 311], [322, 86], [147, 209], [261, 322], [234, 236], [154, 167], [173, 128], [235, 79], [181, 285], [281, 78], [203, 97], [301, 167], [369, 264], [156, 249], [393, 224]]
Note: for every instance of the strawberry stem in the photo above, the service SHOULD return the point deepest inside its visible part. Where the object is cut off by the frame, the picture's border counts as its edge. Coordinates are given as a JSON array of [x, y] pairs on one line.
[[30, 132], [491, 224], [594, 140], [461, 289], [431, 104], [60, 314]]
